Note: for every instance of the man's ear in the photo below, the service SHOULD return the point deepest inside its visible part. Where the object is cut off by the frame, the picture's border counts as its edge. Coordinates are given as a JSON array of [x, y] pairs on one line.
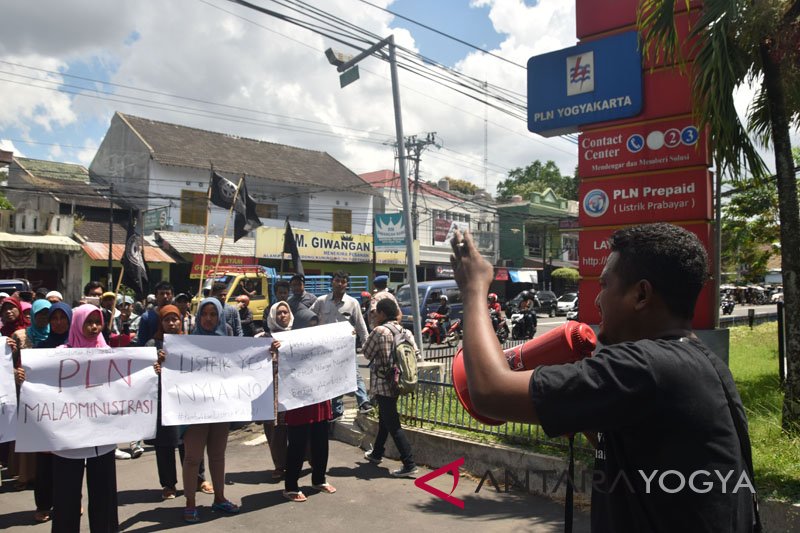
[[643, 294]]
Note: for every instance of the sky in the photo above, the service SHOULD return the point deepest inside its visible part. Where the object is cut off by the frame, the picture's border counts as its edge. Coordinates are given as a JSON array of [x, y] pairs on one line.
[[66, 67]]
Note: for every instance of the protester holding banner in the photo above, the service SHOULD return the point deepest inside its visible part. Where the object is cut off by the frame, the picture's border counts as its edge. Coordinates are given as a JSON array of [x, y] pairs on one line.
[[168, 437], [15, 325], [304, 424], [60, 317], [275, 430], [101, 475], [210, 321]]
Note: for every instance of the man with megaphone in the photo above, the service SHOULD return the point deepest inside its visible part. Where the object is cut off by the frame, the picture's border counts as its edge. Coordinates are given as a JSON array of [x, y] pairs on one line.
[[673, 451]]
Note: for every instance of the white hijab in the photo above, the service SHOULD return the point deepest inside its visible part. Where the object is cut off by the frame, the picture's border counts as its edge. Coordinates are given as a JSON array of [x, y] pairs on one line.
[[272, 319]]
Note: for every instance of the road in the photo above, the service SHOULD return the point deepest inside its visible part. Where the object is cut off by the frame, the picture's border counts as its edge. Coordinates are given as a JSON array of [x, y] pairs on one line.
[[368, 499]]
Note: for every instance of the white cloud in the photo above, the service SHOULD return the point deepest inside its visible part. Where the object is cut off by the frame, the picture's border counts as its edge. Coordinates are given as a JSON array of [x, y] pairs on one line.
[[8, 146]]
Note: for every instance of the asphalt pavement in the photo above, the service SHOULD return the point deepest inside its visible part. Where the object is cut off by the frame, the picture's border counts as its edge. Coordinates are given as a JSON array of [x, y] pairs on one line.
[[368, 499]]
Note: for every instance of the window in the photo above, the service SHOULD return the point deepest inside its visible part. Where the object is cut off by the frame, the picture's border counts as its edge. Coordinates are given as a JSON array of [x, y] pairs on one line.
[[194, 207], [342, 220], [267, 210]]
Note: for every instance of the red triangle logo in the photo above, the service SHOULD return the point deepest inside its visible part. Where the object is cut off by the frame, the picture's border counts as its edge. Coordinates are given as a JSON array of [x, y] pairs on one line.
[[422, 482]]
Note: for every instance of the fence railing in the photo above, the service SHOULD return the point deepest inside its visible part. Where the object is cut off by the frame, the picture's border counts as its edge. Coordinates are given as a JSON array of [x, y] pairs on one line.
[[436, 405]]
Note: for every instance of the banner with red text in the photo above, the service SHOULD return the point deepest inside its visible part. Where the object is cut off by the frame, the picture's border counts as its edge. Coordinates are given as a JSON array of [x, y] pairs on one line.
[[80, 397], [8, 395]]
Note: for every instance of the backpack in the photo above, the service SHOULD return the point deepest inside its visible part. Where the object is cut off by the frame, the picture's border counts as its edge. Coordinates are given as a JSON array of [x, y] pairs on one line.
[[404, 363]]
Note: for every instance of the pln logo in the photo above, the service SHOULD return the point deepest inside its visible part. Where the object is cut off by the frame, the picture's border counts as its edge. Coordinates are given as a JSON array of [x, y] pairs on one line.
[[595, 203], [580, 73]]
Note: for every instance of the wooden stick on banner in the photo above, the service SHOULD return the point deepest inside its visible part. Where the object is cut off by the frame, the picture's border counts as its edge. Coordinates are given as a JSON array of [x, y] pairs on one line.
[[227, 221], [116, 295], [205, 239]]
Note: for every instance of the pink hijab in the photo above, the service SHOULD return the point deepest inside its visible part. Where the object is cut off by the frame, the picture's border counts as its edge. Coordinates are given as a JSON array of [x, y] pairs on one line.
[[76, 338]]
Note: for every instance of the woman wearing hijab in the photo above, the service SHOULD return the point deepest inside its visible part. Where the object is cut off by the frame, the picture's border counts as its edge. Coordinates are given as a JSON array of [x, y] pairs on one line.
[[60, 317], [168, 437], [196, 437], [15, 324], [68, 465], [40, 322], [303, 424]]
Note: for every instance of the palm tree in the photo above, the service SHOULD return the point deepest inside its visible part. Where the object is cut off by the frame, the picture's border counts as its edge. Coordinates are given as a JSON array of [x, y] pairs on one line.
[[741, 41]]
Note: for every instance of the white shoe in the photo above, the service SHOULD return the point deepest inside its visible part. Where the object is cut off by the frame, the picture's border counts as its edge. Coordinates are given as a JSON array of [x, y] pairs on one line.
[[119, 454]]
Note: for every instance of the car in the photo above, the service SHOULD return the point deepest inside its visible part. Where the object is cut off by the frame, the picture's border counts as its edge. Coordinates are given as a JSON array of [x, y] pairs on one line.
[[544, 302], [777, 297], [429, 293], [566, 303], [10, 286]]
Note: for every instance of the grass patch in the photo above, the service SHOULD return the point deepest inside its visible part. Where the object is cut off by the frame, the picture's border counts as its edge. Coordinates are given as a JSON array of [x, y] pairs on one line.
[[754, 365]]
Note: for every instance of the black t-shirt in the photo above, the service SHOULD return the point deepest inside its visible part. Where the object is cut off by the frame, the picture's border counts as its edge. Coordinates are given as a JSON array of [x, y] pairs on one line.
[[663, 416]]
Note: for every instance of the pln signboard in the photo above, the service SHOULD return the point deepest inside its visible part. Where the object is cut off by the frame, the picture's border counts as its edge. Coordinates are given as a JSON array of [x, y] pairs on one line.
[[592, 82], [676, 142], [661, 197]]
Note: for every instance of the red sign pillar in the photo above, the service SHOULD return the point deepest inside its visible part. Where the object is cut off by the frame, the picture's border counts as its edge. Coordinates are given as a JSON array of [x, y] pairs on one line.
[[649, 168]]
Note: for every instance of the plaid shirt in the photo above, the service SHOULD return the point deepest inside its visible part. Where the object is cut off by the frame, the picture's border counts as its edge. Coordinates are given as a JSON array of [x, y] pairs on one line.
[[378, 351]]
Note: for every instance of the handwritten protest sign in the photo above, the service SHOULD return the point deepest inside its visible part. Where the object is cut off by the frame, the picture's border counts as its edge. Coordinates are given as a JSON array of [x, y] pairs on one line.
[[8, 395], [216, 379], [79, 397], [315, 364]]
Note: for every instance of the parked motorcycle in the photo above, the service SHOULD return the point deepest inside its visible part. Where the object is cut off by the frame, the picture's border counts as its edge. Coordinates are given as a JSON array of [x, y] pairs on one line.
[[454, 333], [431, 333], [727, 305]]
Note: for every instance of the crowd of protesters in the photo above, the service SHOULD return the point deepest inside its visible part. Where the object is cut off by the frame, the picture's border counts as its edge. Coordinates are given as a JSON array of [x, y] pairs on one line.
[[103, 319]]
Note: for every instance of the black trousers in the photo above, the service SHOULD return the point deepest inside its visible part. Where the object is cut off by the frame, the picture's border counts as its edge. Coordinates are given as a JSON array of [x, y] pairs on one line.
[[167, 467], [389, 424], [298, 437], [101, 482], [43, 488]]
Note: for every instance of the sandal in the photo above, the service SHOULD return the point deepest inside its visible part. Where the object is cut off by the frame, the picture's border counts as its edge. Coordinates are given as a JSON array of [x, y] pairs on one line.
[[227, 507], [205, 487], [40, 517], [294, 496], [190, 515], [327, 488]]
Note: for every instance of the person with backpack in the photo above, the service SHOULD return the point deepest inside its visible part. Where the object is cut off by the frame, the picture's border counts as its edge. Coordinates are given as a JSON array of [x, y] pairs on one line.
[[392, 353]]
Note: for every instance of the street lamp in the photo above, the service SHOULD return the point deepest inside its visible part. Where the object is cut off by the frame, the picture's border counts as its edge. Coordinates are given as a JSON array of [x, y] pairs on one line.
[[349, 72]]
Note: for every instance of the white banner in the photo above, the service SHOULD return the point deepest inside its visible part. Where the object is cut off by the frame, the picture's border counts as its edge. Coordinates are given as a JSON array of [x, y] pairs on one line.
[[208, 379], [315, 364], [8, 395], [79, 397]]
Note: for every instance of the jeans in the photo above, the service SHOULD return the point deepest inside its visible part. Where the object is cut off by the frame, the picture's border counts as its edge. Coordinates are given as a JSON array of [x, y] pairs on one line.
[[337, 405], [389, 424]]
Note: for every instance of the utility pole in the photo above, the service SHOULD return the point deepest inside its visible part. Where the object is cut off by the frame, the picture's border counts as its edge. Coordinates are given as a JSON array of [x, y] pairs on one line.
[[349, 74], [110, 237], [415, 146]]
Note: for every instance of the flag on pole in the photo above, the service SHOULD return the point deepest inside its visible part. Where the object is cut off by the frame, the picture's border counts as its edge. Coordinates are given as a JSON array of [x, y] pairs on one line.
[[135, 268], [246, 219], [223, 192], [290, 247]]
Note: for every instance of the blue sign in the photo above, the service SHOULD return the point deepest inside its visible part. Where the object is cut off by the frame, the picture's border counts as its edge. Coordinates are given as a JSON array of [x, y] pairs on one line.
[[592, 82], [689, 135], [635, 143], [390, 232]]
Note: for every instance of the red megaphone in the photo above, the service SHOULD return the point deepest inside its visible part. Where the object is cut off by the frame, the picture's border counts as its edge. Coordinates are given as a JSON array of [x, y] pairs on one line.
[[565, 344]]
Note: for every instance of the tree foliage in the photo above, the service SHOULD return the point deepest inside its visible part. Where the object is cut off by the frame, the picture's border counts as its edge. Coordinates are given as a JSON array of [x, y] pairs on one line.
[[537, 177], [567, 274], [462, 186], [738, 42]]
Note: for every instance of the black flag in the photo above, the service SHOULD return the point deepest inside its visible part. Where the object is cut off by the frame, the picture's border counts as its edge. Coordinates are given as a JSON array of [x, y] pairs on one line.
[[135, 275], [223, 191], [290, 247], [246, 218]]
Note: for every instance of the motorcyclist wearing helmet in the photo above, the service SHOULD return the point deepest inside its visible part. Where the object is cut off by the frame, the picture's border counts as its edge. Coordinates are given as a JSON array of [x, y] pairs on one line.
[[444, 322], [528, 309], [494, 305]]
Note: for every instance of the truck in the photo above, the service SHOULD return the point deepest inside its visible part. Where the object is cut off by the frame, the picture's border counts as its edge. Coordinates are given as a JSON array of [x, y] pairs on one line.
[[258, 283]]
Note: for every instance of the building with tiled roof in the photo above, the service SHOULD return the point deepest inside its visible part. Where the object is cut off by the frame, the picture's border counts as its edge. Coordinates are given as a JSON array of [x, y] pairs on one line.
[[154, 164]]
